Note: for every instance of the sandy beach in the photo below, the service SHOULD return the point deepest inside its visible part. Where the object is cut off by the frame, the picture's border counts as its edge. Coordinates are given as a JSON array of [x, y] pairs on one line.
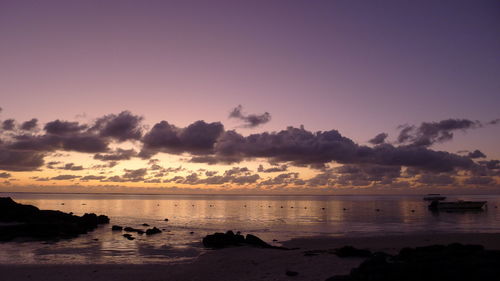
[[247, 263]]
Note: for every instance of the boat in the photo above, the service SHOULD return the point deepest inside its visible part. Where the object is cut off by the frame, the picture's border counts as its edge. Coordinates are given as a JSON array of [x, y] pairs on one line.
[[457, 205], [434, 196]]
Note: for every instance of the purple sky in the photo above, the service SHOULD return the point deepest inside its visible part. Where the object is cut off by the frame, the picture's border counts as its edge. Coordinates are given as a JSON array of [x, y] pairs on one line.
[[359, 67]]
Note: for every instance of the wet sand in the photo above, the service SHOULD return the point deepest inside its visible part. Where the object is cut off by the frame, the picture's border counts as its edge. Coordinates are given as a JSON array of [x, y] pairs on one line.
[[245, 263]]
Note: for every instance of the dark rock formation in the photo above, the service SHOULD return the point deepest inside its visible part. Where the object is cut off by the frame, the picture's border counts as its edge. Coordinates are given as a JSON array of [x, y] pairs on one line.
[[131, 229], [291, 273], [455, 262], [128, 236], [229, 239], [31, 222], [117, 228], [152, 231], [350, 251]]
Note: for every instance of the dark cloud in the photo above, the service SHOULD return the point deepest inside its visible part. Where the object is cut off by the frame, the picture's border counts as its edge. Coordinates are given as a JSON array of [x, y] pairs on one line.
[[135, 175], [92, 177], [9, 124], [235, 175], [379, 139], [65, 177], [14, 160], [198, 138], [29, 125], [121, 127], [282, 168], [281, 179], [58, 127], [302, 147], [47, 143], [5, 175], [436, 179], [250, 120], [479, 180], [71, 167], [429, 133], [117, 155], [476, 154]]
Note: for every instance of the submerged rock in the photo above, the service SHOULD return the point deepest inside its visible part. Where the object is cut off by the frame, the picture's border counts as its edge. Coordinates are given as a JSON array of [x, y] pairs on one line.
[[29, 221], [128, 236], [230, 239], [117, 228], [152, 231], [131, 229]]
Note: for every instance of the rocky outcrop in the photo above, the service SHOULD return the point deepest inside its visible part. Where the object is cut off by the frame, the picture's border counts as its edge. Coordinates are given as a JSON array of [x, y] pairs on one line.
[[28, 221], [220, 240], [455, 262]]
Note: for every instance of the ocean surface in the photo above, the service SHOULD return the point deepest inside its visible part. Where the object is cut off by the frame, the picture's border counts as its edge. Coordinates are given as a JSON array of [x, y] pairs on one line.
[[191, 217]]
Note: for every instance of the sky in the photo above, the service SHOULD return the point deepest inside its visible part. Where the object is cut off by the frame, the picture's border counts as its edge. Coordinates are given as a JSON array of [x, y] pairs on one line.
[[234, 96]]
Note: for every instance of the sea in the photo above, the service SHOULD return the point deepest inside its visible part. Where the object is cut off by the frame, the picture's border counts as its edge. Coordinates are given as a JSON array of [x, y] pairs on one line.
[[274, 218]]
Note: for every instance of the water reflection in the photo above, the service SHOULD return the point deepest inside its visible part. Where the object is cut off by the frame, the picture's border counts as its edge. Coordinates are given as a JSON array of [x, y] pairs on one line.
[[192, 217]]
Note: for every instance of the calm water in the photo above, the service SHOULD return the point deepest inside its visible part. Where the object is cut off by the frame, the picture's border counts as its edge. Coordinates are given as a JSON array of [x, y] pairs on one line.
[[269, 217]]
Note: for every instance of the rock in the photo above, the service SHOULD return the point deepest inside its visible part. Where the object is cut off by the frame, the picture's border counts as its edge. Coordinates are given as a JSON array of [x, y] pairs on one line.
[[350, 251], [256, 241], [291, 273], [229, 239], [455, 262], [145, 224], [29, 221], [223, 240], [131, 229], [128, 236], [165, 219], [152, 231], [117, 228]]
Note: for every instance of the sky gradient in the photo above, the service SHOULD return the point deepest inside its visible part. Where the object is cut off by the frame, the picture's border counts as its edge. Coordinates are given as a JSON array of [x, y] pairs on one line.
[[423, 72]]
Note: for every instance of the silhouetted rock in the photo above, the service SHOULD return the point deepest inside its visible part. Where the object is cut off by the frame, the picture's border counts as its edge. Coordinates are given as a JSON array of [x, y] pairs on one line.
[[145, 224], [350, 251], [455, 262], [128, 236], [152, 231], [29, 221], [291, 273], [131, 229], [223, 240], [229, 239], [117, 228]]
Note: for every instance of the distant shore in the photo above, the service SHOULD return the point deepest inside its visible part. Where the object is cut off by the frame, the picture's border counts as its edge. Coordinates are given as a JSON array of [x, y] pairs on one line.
[[245, 263]]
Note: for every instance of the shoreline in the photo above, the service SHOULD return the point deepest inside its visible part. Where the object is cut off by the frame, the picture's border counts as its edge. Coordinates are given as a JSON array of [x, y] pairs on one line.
[[246, 263]]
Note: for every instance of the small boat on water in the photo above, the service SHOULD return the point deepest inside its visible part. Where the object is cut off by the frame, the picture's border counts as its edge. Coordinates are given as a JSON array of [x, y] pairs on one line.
[[434, 196], [457, 205]]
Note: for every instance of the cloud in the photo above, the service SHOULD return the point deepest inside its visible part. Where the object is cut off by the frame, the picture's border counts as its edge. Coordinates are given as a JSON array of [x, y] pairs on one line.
[[92, 177], [29, 125], [476, 154], [480, 180], [8, 125], [117, 155], [58, 127], [65, 177], [379, 139], [5, 175], [282, 168], [121, 127], [198, 138], [71, 167], [429, 133], [12, 160], [436, 179], [250, 120]]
